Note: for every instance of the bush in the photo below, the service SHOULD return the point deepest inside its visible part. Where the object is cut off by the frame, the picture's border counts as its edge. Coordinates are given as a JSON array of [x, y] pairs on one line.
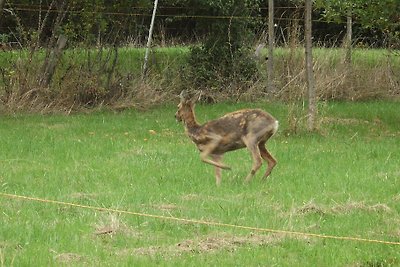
[[217, 68], [224, 60]]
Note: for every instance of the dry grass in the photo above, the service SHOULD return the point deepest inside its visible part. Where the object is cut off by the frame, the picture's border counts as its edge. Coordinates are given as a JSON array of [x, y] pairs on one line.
[[338, 82], [360, 206], [69, 258], [346, 208], [111, 224], [206, 244], [83, 85]]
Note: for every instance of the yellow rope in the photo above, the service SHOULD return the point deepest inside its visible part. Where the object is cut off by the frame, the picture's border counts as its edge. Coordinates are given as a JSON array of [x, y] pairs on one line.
[[193, 221]]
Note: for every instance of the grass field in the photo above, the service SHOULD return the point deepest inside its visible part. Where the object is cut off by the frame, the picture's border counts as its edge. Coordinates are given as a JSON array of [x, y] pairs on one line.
[[342, 181]]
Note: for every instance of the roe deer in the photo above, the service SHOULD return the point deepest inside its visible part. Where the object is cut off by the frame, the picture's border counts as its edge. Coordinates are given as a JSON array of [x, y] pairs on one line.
[[249, 128]]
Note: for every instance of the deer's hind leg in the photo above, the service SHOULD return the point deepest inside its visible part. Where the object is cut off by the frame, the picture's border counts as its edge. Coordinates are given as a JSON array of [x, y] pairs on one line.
[[268, 158], [252, 146]]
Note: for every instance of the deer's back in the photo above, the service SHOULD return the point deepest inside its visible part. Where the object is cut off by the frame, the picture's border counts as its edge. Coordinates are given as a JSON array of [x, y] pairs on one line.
[[242, 121], [232, 127]]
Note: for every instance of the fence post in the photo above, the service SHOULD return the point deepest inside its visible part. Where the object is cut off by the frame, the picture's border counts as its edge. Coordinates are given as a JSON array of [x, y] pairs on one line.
[[312, 109], [146, 56], [271, 44], [348, 35]]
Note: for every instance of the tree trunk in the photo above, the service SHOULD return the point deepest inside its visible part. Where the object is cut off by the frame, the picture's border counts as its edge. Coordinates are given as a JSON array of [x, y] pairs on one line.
[[146, 56], [271, 44], [51, 63], [348, 36], [312, 109], [2, 2]]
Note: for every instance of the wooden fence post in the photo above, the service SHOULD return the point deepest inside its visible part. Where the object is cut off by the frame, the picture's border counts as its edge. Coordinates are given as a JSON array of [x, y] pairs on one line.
[[349, 34], [271, 45], [312, 109]]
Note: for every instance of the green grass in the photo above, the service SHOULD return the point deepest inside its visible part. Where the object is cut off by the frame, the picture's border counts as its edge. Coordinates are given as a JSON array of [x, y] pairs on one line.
[[128, 59], [367, 58], [341, 181], [131, 59]]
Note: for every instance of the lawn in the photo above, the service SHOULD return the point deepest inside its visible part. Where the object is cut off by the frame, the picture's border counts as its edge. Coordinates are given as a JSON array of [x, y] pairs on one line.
[[341, 181]]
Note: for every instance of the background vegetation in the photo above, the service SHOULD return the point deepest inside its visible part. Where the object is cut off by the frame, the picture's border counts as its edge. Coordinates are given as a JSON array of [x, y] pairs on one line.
[[55, 59]]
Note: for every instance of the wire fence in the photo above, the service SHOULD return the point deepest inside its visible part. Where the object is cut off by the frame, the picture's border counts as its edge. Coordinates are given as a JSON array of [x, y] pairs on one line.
[[202, 222], [38, 9], [175, 24]]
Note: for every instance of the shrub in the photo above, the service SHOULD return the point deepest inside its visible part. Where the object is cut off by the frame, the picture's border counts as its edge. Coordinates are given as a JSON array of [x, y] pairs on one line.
[[224, 59]]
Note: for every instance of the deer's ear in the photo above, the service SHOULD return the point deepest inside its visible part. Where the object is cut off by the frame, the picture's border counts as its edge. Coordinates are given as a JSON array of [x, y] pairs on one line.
[[184, 95], [196, 97]]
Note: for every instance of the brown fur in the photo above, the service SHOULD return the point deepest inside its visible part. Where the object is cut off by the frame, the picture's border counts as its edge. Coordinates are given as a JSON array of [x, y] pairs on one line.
[[249, 128]]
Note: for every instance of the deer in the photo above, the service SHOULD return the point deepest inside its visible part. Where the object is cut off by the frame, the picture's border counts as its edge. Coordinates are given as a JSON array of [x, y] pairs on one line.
[[246, 128]]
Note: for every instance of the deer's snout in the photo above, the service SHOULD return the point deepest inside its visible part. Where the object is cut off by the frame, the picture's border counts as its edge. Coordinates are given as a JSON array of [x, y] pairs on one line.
[[178, 117]]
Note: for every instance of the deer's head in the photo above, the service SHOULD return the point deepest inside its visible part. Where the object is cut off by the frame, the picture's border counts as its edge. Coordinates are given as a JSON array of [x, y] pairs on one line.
[[186, 104]]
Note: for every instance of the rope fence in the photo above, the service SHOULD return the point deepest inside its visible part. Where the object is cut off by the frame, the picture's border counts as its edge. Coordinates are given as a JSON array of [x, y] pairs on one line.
[[194, 221]]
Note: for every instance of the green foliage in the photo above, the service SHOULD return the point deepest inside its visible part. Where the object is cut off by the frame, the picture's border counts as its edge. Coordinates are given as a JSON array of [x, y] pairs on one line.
[[93, 22], [88, 23], [224, 57], [217, 67], [378, 14]]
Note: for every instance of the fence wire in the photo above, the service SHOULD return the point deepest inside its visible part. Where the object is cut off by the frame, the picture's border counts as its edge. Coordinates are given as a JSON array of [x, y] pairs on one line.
[[208, 223]]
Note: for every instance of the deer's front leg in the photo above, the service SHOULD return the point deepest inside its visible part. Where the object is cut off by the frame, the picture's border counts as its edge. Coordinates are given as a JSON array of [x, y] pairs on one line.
[[217, 159], [207, 149]]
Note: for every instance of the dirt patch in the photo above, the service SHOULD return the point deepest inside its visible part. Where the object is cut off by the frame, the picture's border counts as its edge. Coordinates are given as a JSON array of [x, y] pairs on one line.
[[310, 208], [313, 208], [112, 225], [360, 206], [347, 121], [212, 243], [68, 257], [207, 244], [377, 263]]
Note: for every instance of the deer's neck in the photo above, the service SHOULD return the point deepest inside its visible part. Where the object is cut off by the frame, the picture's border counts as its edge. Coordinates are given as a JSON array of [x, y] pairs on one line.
[[191, 123]]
